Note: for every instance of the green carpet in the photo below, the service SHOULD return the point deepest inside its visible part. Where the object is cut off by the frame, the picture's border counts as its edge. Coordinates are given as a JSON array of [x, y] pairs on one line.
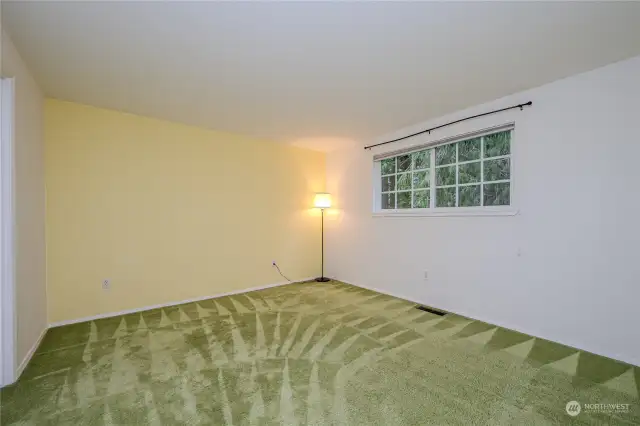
[[311, 353]]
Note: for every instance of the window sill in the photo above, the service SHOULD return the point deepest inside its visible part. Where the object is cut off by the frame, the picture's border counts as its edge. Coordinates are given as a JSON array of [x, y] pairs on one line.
[[486, 211]]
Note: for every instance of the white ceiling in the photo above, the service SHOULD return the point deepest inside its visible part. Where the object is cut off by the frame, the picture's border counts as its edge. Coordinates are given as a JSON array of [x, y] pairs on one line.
[[312, 74]]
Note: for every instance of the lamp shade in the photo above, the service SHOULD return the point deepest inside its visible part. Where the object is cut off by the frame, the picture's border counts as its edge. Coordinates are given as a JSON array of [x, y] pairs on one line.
[[322, 200]]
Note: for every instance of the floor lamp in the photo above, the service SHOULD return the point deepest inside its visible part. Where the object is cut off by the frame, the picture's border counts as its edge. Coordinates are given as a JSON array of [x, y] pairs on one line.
[[322, 201]]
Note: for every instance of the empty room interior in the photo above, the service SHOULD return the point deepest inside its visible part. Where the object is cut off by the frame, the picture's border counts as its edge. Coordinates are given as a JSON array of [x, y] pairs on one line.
[[309, 213]]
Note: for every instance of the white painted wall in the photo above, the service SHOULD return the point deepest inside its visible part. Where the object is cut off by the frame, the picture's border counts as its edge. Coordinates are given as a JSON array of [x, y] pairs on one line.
[[29, 192], [566, 268]]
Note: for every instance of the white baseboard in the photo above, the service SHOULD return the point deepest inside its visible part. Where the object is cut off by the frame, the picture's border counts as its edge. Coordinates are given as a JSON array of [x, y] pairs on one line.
[[377, 290], [180, 302], [29, 354]]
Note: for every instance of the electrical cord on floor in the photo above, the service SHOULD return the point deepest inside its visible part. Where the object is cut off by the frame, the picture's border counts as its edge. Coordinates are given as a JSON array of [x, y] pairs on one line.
[[280, 272]]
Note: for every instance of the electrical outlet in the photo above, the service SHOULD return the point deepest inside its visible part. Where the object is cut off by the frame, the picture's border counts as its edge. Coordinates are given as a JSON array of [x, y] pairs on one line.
[[106, 284], [426, 275]]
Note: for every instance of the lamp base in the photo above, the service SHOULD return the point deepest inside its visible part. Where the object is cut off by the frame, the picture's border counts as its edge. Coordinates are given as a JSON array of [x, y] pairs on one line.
[[323, 279]]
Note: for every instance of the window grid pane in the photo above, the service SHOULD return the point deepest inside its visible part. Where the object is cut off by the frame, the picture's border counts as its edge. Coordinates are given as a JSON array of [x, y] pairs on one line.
[[481, 171], [456, 169], [404, 163], [420, 179], [497, 169], [469, 195], [403, 181], [469, 172], [388, 166], [497, 144], [421, 160]]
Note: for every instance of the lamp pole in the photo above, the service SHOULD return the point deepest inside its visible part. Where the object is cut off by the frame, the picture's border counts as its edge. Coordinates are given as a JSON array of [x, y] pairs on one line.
[[322, 278]]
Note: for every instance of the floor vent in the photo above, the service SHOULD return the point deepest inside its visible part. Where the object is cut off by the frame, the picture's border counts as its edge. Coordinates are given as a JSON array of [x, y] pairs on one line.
[[431, 310]]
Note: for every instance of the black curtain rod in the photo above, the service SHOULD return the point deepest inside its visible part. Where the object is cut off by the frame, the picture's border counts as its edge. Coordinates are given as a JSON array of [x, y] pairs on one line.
[[453, 122]]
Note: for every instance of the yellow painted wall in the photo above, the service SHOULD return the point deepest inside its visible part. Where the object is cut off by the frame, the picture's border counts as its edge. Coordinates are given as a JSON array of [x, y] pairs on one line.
[[169, 212]]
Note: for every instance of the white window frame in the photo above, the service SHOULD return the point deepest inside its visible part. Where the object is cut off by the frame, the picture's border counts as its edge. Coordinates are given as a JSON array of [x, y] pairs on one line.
[[509, 210]]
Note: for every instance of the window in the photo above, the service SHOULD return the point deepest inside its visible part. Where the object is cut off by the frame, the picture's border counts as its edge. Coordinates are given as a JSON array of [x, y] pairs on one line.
[[470, 172]]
